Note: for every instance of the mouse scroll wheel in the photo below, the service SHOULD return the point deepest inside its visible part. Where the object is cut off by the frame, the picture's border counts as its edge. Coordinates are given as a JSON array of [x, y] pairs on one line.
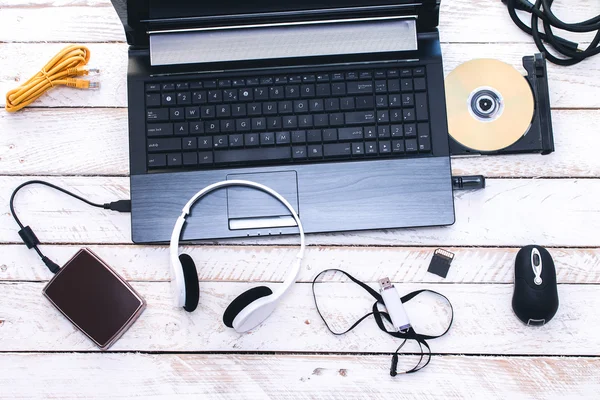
[[536, 259]]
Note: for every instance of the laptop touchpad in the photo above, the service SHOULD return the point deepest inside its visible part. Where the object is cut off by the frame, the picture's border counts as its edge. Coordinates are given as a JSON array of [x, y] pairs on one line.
[[249, 208]]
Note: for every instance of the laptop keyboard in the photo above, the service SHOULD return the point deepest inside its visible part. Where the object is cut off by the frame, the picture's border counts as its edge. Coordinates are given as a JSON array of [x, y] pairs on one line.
[[294, 118]]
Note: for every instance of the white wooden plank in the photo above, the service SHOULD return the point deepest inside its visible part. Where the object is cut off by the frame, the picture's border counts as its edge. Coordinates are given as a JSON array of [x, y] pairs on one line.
[[508, 212], [98, 140], [270, 263], [573, 87], [214, 376], [87, 141], [483, 318], [460, 21]]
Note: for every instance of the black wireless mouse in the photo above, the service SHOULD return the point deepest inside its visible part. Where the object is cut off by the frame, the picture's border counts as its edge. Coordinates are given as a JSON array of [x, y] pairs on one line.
[[535, 299]]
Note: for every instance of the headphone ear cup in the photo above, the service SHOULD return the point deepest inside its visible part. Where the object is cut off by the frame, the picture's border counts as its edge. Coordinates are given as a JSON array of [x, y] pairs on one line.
[[192, 287], [242, 301]]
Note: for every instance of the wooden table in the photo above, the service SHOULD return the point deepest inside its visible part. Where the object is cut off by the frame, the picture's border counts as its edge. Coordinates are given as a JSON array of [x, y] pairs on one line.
[[78, 139]]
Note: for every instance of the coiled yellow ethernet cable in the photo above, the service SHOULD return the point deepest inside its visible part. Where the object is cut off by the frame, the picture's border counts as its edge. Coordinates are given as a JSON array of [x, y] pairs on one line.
[[61, 70]]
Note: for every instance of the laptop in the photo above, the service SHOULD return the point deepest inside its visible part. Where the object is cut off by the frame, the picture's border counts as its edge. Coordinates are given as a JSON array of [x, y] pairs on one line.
[[339, 106]]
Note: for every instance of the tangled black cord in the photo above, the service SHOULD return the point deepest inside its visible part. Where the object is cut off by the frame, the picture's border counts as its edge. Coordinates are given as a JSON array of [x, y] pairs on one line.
[[541, 10]]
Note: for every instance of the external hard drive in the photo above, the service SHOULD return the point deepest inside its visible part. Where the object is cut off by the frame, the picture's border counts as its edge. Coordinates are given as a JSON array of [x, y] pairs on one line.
[[94, 298]]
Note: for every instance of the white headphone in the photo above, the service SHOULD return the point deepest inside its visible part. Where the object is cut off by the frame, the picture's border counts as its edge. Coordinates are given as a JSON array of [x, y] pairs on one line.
[[253, 306]]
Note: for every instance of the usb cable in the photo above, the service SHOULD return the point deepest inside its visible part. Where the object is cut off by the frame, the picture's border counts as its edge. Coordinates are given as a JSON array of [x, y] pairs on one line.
[[26, 233]]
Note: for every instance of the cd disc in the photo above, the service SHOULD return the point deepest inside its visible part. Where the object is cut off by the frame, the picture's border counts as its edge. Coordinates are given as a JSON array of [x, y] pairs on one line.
[[490, 105]]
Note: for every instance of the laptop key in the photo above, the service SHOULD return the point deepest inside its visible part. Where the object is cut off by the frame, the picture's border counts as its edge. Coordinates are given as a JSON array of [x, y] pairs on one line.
[[251, 139], [371, 148], [190, 159], [152, 87], [220, 141], [315, 151], [410, 130], [299, 137], [192, 112], [236, 140], [184, 98], [419, 84], [314, 136], [257, 154], [196, 128], [267, 138], [360, 117], [205, 157], [323, 89], [215, 96], [190, 143], [157, 115], [299, 152], [261, 93], [157, 160], [205, 143], [361, 87], [198, 97], [365, 103], [168, 99], [238, 110], [181, 128], [153, 100], [421, 106], [177, 114], [282, 138], [381, 87], [337, 150], [358, 149], [398, 146], [159, 130], [338, 89], [162, 145], [411, 145], [385, 147], [370, 132], [330, 135], [230, 95], [424, 138], [350, 133]]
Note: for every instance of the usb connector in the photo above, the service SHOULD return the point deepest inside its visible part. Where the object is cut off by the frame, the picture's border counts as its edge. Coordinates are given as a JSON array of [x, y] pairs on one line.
[[393, 304], [385, 283]]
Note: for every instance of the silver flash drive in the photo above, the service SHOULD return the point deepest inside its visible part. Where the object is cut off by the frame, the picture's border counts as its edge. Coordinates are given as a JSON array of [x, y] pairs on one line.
[[394, 305]]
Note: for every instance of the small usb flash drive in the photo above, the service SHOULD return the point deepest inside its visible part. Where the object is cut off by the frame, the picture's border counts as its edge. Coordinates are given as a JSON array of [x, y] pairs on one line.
[[394, 306]]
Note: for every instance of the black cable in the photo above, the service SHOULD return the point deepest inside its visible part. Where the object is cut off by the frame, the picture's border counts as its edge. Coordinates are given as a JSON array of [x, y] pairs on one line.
[[26, 232], [542, 10], [425, 357]]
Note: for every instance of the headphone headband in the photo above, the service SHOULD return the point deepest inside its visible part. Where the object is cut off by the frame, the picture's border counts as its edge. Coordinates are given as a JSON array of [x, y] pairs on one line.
[[178, 277]]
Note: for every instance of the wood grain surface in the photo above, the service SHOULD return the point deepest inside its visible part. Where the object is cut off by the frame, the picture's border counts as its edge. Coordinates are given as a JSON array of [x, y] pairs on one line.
[[245, 263], [78, 139], [483, 315], [216, 376]]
